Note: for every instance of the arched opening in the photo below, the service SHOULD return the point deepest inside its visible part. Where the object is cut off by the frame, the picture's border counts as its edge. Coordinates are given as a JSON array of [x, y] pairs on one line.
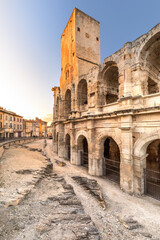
[[82, 145], [111, 84], [82, 94], [111, 160], [152, 86], [150, 60], [68, 147], [152, 176], [68, 103]]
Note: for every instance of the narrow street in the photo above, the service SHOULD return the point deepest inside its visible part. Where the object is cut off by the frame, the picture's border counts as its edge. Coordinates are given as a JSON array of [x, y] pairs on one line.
[[66, 203]]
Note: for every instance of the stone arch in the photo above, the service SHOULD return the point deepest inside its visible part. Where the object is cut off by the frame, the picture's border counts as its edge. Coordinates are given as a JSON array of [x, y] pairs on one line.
[[110, 82], [142, 143], [82, 94], [108, 153], [67, 102], [140, 156], [147, 38], [100, 141], [82, 149], [149, 59], [82, 132], [68, 146]]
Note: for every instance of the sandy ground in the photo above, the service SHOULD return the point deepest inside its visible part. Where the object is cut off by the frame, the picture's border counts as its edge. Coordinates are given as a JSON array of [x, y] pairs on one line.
[[60, 208], [15, 160], [122, 209]]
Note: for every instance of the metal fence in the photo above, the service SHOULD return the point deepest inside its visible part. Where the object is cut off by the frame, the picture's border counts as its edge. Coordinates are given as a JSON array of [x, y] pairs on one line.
[[112, 169], [84, 159], [68, 152], [152, 183]]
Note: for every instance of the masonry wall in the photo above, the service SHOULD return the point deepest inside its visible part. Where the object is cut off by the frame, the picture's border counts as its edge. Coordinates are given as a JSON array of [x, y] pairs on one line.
[[131, 119]]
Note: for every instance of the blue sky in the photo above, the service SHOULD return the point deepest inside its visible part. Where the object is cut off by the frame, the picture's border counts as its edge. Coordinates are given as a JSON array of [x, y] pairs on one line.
[[30, 32]]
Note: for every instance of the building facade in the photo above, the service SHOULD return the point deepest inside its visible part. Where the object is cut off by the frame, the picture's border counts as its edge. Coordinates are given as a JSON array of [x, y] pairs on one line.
[[42, 125], [35, 128], [1, 123], [107, 116], [29, 128], [11, 124]]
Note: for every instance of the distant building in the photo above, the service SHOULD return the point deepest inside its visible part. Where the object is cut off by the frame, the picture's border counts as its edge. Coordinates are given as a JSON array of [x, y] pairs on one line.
[[1, 124], [42, 127], [11, 124], [29, 128]]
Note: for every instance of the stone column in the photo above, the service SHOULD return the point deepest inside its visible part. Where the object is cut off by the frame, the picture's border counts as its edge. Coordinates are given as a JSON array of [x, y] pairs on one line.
[[95, 165], [127, 69], [139, 174], [61, 143], [73, 145], [126, 165], [139, 81]]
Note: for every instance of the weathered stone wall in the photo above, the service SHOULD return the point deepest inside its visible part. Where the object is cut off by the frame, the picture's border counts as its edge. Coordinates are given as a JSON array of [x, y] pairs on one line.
[[119, 99]]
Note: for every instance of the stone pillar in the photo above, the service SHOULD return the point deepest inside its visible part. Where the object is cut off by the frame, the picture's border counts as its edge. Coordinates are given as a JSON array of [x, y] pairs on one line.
[[127, 69], [139, 174], [61, 113], [140, 81], [73, 145], [95, 165], [121, 83], [126, 165], [61, 143]]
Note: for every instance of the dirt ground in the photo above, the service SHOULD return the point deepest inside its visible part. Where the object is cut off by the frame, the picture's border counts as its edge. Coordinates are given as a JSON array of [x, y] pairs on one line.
[[67, 203]]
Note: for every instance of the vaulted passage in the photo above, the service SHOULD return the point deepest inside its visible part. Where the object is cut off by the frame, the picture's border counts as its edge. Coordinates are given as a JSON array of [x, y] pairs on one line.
[[111, 84], [111, 160], [68, 103], [152, 86], [83, 150], [68, 147], [152, 179], [150, 59], [82, 94]]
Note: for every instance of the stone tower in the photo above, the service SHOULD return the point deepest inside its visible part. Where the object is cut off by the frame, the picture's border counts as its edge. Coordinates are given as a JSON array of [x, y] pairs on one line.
[[80, 47]]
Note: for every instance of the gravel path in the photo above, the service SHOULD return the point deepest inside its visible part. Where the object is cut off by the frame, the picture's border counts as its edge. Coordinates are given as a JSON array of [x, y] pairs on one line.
[[126, 217], [67, 203], [50, 210]]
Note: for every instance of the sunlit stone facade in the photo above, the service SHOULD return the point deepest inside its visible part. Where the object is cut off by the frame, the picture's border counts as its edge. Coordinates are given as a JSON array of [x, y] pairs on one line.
[[106, 116]]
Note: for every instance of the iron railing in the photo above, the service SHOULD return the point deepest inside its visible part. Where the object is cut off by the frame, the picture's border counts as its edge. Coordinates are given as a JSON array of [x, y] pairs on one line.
[[152, 183], [84, 159], [112, 169]]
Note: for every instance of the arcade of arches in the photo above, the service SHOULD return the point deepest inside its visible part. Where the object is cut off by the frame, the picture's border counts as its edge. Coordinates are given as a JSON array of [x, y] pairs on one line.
[[106, 116]]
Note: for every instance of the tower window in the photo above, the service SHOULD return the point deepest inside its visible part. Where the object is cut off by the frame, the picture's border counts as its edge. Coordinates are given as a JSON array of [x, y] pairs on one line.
[[97, 39], [67, 74], [78, 29], [87, 35]]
